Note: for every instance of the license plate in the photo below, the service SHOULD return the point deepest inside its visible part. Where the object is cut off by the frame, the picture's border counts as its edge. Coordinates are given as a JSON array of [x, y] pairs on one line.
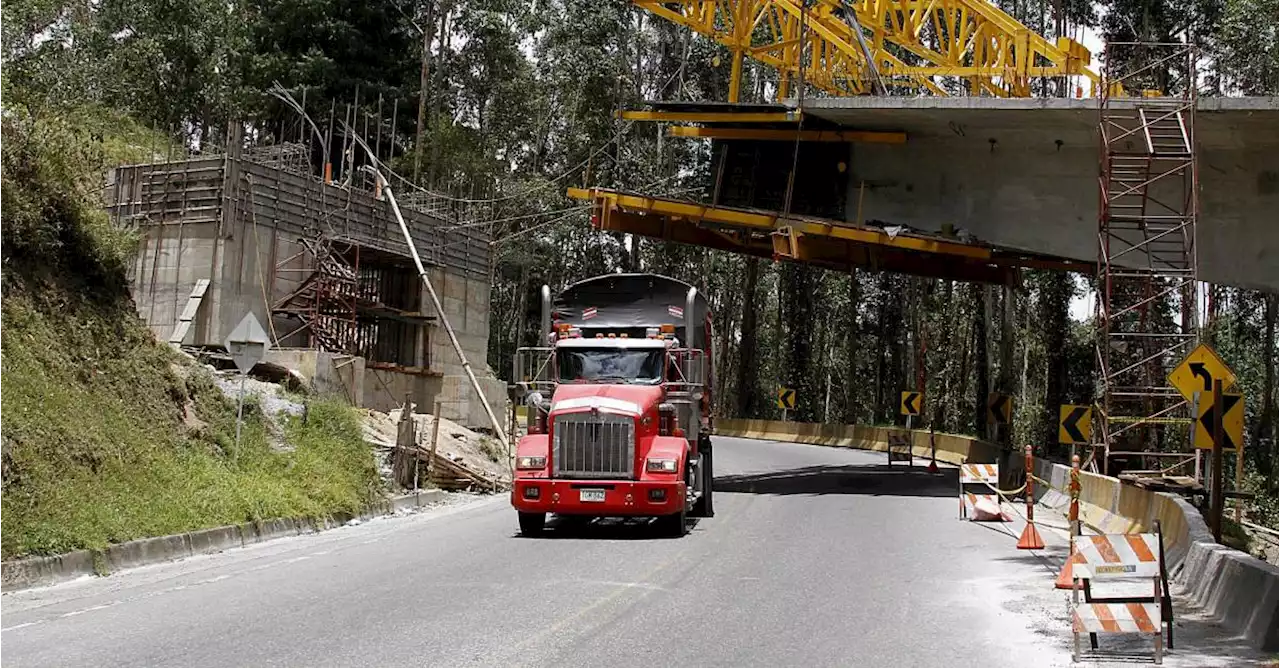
[[592, 495]]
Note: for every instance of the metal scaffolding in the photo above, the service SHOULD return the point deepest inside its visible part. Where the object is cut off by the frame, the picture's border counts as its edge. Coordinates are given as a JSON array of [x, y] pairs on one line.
[[1146, 248], [356, 301]]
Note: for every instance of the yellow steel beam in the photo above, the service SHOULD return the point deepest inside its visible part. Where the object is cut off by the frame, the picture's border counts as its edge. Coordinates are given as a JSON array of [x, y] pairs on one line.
[[712, 116], [670, 221], [957, 40], [848, 136], [608, 200]]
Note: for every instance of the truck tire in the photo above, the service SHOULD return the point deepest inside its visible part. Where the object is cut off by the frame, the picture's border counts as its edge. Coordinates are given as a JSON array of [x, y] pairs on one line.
[[704, 506], [531, 523], [673, 525]]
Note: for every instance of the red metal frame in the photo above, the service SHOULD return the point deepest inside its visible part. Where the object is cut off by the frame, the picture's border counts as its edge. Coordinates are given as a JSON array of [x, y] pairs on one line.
[[1146, 219]]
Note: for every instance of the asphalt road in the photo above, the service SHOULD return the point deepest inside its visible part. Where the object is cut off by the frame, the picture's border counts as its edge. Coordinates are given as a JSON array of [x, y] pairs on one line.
[[817, 557]]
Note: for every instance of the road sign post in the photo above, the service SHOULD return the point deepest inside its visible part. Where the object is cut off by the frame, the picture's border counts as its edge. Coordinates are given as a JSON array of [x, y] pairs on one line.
[[1191, 435], [248, 344], [1217, 495]]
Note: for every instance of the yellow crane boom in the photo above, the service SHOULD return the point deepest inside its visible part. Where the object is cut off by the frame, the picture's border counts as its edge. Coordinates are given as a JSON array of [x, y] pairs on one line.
[[911, 43]]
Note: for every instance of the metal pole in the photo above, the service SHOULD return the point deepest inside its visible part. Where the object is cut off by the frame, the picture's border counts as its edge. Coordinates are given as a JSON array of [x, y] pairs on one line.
[[1218, 497], [1239, 481], [1191, 436], [239, 416], [1074, 529], [910, 440], [435, 299]]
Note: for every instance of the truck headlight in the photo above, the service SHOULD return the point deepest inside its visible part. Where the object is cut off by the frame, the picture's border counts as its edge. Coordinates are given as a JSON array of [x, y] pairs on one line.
[[531, 462], [660, 465]]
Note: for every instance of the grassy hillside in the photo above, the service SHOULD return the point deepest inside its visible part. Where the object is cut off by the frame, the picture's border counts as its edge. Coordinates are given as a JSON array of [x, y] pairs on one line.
[[107, 435]]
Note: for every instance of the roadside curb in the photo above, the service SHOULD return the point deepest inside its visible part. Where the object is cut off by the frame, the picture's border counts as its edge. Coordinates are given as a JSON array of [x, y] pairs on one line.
[[19, 574]]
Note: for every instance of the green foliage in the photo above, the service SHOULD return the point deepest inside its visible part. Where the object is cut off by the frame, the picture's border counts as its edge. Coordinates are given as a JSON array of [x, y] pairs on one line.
[[108, 436]]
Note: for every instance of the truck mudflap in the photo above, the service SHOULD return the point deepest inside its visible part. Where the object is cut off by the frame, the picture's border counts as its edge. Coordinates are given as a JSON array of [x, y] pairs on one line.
[[599, 498]]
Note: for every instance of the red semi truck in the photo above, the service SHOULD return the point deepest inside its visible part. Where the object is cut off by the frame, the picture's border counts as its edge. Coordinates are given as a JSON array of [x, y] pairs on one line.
[[619, 405]]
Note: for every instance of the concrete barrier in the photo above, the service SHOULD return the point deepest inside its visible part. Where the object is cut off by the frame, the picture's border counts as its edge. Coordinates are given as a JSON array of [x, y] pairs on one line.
[[1234, 589], [40, 571], [951, 448]]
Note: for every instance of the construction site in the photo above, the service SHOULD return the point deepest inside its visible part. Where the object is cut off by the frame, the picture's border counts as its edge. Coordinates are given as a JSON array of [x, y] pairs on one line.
[[313, 251]]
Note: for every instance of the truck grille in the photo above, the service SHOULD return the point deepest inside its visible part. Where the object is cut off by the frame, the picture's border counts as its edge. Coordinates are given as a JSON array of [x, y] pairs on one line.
[[594, 446]]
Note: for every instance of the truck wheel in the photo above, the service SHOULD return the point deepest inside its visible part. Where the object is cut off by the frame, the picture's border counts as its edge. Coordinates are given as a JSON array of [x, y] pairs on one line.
[[531, 523], [673, 525], [704, 507]]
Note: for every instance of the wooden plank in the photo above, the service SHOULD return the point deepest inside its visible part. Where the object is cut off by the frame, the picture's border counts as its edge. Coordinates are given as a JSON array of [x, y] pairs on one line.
[[189, 312]]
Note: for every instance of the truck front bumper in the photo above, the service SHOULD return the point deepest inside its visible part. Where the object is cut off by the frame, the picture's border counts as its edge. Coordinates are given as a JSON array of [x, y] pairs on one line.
[[621, 498]]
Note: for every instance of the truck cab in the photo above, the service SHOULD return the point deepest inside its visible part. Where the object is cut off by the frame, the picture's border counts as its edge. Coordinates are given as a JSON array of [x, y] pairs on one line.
[[618, 406]]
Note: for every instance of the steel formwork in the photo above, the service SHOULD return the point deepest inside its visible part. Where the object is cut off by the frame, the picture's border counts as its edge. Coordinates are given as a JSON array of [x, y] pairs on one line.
[[1147, 208]]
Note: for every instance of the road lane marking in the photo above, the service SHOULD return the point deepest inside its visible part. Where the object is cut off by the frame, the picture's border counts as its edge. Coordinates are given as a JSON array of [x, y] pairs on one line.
[[22, 626], [74, 613]]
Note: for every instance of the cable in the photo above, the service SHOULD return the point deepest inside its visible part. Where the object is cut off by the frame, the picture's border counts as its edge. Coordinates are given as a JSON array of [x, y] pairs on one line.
[[495, 221], [603, 147], [387, 169], [513, 235]]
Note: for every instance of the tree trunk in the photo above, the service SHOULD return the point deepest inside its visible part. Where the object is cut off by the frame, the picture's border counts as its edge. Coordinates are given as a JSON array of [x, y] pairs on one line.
[[798, 287], [945, 353], [1054, 322], [748, 366], [851, 349], [981, 303], [424, 78], [1264, 444]]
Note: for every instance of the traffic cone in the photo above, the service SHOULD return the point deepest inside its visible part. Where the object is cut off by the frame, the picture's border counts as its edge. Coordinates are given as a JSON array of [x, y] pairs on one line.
[[933, 466], [1030, 539], [1064, 580]]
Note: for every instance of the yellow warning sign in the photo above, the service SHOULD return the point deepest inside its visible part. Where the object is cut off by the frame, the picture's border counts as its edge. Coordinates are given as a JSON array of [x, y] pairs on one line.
[[911, 403], [1232, 421], [1197, 372], [786, 398], [1075, 423], [999, 408]]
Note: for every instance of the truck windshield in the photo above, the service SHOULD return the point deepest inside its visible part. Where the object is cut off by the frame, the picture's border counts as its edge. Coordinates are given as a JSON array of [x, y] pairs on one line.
[[598, 365]]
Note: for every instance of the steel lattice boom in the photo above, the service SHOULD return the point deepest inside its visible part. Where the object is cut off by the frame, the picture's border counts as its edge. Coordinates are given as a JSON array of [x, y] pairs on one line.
[[917, 44]]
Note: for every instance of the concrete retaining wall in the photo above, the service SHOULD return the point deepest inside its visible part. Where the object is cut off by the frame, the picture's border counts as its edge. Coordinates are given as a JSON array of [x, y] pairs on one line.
[[1232, 588], [40, 571]]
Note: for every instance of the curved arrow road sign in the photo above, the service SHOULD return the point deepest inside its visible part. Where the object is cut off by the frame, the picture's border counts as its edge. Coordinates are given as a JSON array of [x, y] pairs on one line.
[[1197, 372]]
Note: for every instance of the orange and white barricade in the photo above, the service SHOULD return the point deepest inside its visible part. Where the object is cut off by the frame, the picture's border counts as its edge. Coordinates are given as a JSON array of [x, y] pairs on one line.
[[983, 504], [1116, 557], [899, 448]]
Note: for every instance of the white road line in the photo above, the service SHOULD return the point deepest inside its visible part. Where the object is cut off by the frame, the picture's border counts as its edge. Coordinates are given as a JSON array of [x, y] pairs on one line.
[[73, 613], [21, 626]]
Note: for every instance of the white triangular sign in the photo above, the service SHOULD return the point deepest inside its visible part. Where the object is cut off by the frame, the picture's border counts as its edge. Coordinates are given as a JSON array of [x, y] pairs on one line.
[[248, 343]]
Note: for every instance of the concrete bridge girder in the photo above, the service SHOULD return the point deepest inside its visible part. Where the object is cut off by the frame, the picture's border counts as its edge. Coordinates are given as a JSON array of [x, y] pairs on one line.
[[1023, 174]]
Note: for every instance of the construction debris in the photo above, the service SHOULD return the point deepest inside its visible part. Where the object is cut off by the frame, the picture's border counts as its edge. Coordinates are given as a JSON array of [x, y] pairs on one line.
[[452, 457]]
